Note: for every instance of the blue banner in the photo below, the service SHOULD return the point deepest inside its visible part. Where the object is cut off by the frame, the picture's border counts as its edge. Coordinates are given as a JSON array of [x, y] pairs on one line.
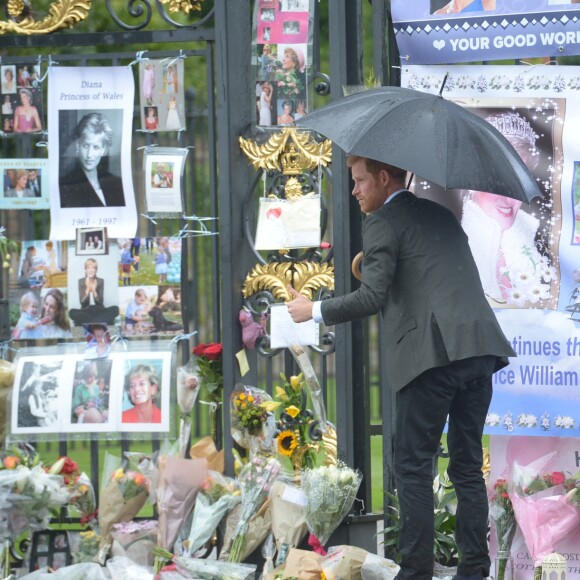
[[438, 32]]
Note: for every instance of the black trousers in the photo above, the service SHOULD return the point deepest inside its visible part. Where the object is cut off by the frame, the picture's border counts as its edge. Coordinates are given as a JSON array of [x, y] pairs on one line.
[[461, 390]]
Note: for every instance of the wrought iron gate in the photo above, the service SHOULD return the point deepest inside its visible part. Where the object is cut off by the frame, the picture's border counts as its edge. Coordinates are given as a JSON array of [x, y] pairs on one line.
[[220, 182]]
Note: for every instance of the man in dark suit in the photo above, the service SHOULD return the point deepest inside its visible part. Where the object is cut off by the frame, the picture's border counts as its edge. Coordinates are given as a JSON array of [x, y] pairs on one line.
[[34, 182], [443, 345]]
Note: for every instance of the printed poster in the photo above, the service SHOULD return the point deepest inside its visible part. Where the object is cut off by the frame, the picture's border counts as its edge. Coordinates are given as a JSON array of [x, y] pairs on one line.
[[21, 98], [283, 60], [90, 119], [125, 391], [449, 31], [25, 184], [528, 256], [162, 95]]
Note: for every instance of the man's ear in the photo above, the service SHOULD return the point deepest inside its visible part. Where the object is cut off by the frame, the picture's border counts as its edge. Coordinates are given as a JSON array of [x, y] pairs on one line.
[[384, 177]]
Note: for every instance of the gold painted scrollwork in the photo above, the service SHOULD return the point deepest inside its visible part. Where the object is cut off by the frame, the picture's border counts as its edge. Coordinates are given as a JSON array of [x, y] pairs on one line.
[[486, 467], [305, 277], [330, 443], [183, 5], [289, 151], [61, 14]]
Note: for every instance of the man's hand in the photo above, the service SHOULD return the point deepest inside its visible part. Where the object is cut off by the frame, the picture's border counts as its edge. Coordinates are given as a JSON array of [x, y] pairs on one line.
[[300, 308]]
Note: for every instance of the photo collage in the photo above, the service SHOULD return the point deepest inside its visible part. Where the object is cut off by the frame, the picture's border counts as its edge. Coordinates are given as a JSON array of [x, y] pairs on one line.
[[162, 95], [67, 289], [283, 61], [74, 394], [21, 98]]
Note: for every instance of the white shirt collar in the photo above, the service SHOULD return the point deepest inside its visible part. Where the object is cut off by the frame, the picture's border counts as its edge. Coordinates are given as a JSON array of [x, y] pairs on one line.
[[393, 195]]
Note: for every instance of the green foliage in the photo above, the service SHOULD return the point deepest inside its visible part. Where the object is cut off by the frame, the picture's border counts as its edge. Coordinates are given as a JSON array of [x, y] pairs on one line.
[[445, 548]]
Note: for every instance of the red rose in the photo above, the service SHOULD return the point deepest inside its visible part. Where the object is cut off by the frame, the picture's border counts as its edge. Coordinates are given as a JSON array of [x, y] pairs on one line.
[[557, 478], [199, 349], [213, 351], [69, 466]]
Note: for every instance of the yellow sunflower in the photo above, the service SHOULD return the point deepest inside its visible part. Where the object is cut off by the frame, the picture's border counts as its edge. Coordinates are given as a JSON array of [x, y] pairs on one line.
[[287, 442]]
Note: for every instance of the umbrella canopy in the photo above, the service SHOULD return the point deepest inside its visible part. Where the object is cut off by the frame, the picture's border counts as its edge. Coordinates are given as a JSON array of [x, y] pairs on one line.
[[427, 135]]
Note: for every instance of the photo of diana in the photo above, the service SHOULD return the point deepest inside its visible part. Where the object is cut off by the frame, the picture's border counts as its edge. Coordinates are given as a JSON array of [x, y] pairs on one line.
[[90, 159], [143, 391]]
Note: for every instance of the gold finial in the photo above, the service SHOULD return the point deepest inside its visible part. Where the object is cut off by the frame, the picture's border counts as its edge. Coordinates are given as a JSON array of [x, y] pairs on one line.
[[62, 14]]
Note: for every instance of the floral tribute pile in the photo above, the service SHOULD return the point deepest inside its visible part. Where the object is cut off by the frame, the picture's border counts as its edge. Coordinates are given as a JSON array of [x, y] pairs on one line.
[[287, 483], [544, 504], [32, 492]]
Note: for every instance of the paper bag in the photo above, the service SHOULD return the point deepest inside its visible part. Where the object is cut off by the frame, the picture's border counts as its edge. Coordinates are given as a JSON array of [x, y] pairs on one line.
[[288, 517], [344, 563], [301, 564], [205, 449]]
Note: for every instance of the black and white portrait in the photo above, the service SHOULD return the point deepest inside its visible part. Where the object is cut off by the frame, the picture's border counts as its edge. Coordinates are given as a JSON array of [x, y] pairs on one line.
[[38, 395], [90, 165]]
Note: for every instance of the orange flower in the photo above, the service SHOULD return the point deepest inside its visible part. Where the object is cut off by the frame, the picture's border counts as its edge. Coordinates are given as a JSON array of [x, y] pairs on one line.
[[11, 462], [139, 479]]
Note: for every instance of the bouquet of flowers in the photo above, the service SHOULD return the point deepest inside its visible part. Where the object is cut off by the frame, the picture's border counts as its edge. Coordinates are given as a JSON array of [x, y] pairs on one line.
[[80, 489], [210, 369], [248, 414], [218, 495], [84, 547], [135, 540], [124, 491], [255, 480], [82, 498], [208, 569], [545, 506], [178, 482], [501, 513], [330, 493], [187, 391], [296, 426], [29, 495]]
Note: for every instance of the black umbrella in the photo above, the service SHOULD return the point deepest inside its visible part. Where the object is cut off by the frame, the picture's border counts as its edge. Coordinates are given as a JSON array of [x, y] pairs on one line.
[[427, 135]]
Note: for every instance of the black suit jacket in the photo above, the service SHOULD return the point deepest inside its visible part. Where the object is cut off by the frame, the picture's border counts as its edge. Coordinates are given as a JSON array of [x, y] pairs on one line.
[[99, 298], [76, 191], [418, 271]]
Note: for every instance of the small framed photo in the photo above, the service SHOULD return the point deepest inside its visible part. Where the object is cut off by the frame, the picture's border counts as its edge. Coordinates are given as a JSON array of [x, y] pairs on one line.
[[92, 241], [163, 169]]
